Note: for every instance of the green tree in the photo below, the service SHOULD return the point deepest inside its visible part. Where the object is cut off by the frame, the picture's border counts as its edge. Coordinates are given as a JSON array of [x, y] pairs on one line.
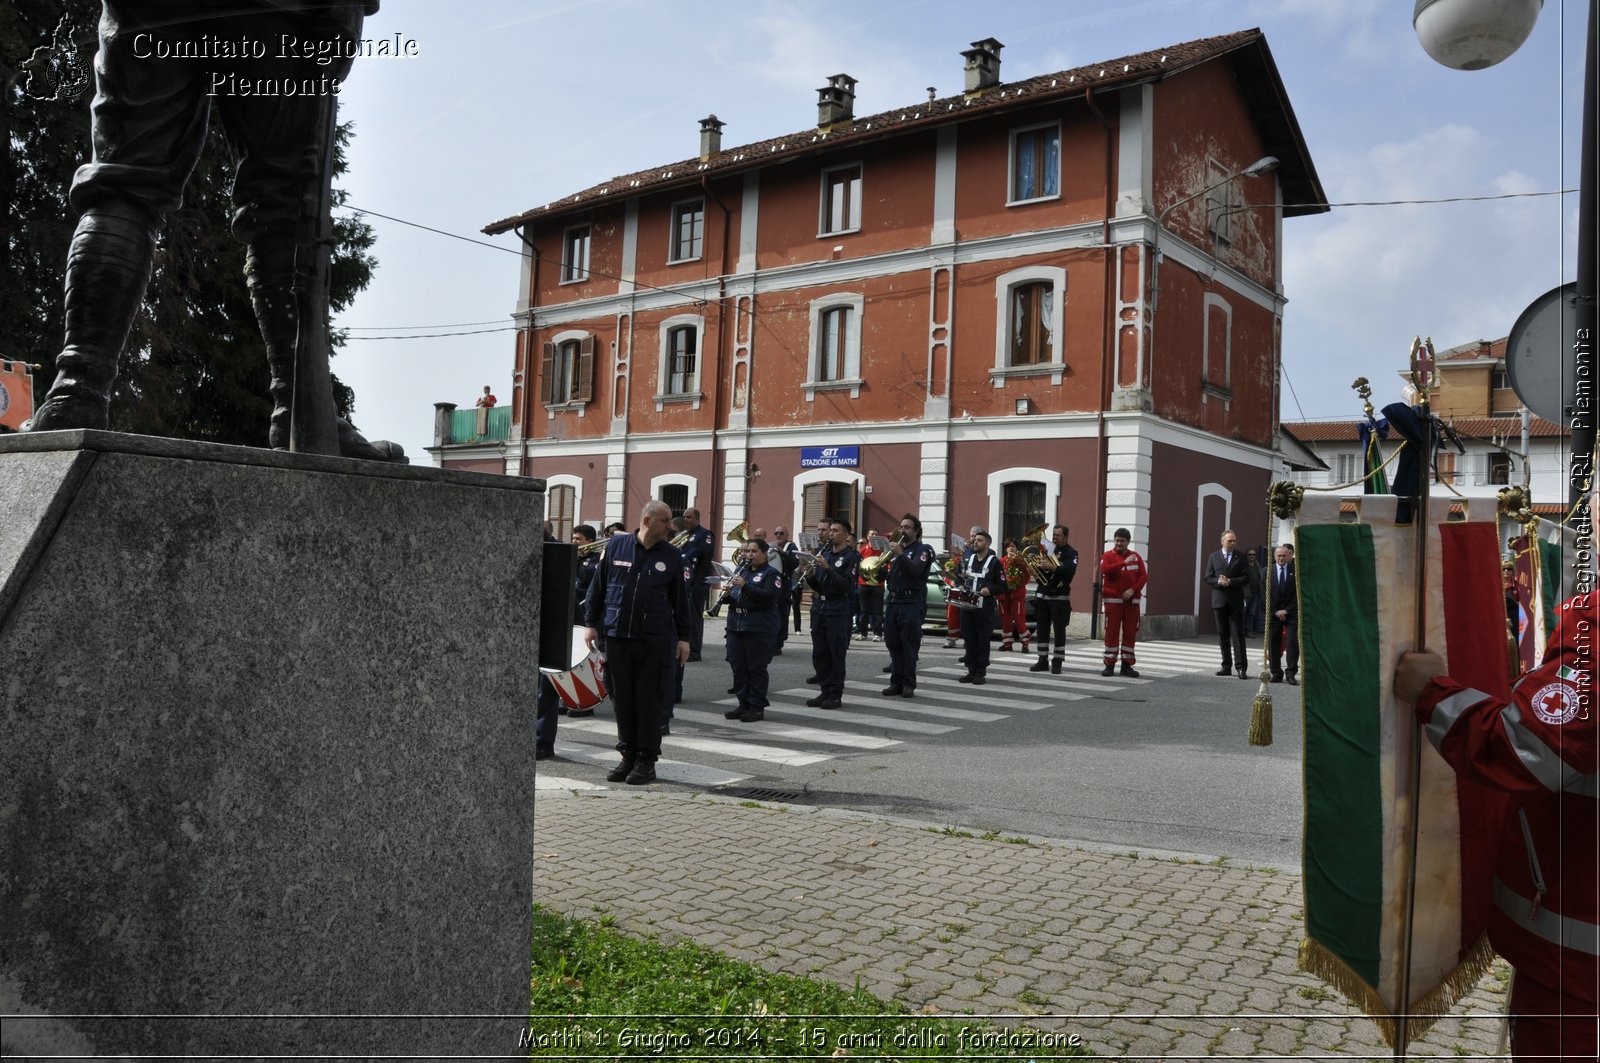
[[194, 366]]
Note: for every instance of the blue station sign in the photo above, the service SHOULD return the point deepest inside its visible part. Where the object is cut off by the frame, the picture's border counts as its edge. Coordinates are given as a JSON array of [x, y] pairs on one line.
[[830, 457]]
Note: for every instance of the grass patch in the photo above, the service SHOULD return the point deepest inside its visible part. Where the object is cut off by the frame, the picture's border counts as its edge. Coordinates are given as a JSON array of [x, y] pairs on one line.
[[1314, 992], [598, 993]]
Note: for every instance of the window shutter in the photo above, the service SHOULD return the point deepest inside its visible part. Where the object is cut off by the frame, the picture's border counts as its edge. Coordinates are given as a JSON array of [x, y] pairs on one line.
[[547, 371], [583, 387], [813, 506]]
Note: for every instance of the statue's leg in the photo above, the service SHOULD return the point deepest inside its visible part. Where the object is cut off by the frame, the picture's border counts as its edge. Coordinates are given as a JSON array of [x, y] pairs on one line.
[[269, 272], [108, 268]]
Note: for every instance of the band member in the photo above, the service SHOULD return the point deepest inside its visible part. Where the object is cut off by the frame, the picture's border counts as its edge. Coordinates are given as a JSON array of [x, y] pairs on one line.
[[1122, 579], [1541, 749], [754, 617], [1013, 604], [982, 573], [906, 590], [1284, 623], [638, 602], [1052, 604], [869, 596], [697, 554], [833, 586], [786, 550]]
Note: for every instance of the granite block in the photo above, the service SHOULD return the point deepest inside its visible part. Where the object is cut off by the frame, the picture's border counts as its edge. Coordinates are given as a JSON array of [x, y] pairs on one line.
[[266, 730]]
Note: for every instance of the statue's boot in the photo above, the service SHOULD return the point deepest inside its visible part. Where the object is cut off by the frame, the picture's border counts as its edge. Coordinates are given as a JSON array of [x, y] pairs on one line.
[[108, 269], [270, 272]]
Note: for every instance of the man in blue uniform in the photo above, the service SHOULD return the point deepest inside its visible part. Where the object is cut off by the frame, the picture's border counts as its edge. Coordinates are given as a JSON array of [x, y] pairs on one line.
[[905, 591], [755, 614], [1052, 604], [637, 601], [697, 553], [982, 573], [833, 586]]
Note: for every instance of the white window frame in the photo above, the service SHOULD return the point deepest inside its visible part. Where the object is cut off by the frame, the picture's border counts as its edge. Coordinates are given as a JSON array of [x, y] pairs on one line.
[[574, 482], [673, 259], [557, 341], [1056, 277], [1208, 388], [824, 214], [997, 492], [575, 272], [1011, 164], [822, 476], [850, 380], [692, 393], [691, 483]]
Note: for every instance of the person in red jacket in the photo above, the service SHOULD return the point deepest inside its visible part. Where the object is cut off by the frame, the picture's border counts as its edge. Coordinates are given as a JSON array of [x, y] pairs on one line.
[[1541, 749], [1122, 580]]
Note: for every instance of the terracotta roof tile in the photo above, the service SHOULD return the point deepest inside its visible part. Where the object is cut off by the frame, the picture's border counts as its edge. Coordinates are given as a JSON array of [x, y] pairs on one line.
[[1303, 194]]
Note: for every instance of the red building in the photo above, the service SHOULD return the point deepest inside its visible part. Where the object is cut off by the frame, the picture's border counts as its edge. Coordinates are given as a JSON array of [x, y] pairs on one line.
[[950, 309]]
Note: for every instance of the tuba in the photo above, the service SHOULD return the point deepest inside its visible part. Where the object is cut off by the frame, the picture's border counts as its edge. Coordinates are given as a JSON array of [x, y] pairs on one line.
[[739, 532]]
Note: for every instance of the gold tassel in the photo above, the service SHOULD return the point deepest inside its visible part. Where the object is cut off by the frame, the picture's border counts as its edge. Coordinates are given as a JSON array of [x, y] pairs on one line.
[[1261, 715], [1318, 961]]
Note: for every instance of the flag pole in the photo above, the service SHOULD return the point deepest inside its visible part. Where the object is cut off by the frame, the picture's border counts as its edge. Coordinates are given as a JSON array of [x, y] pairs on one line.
[[1422, 379]]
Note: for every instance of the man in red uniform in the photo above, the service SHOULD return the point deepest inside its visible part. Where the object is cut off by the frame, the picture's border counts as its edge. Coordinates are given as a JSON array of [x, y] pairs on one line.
[[1541, 749], [1122, 580]]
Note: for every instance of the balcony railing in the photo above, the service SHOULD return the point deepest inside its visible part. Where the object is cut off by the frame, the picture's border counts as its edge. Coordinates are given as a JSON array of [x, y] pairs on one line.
[[480, 426]]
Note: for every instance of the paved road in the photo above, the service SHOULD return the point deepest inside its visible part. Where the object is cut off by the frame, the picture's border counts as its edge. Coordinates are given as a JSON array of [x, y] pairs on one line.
[[1156, 764]]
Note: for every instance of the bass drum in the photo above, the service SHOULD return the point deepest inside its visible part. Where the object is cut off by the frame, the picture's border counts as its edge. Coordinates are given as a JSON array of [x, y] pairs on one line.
[[582, 685]]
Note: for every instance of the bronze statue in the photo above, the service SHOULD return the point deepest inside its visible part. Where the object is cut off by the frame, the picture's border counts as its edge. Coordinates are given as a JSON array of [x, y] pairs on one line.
[[273, 69]]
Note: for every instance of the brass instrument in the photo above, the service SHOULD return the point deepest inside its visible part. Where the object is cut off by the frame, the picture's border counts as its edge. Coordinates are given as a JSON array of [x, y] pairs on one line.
[[590, 549], [739, 532], [872, 568], [682, 538]]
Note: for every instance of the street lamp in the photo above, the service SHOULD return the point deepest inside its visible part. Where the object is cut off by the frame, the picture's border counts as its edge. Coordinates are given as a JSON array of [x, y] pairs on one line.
[[1473, 34]]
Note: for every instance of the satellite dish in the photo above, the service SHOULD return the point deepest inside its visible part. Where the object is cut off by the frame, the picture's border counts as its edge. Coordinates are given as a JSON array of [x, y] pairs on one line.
[[1539, 355]]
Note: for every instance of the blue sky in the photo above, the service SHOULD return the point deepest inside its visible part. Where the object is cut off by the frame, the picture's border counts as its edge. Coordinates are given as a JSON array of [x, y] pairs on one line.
[[512, 103]]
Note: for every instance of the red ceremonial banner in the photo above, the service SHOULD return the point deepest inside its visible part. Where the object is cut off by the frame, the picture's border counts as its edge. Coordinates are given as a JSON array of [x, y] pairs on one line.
[[16, 394]]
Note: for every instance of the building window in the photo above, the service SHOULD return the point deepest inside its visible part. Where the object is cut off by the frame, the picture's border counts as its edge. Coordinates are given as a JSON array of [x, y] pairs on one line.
[[1498, 380], [688, 230], [841, 200], [835, 344], [1222, 203], [1499, 467], [1347, 468], [1216, 353], [1444, 464], [682, 349], [561, 505], [575, 255], [676, 497], [1021, 509], [567, 370], [1032, 331], [1035, 163]]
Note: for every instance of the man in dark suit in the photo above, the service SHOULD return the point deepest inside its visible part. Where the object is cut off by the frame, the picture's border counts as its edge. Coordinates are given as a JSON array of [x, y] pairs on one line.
[[1228, 574], [1283, 623]]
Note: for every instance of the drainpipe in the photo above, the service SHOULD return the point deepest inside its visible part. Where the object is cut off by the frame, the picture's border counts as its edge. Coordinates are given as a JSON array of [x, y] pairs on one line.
[[527, 348], [718, 476], [1107, 369]]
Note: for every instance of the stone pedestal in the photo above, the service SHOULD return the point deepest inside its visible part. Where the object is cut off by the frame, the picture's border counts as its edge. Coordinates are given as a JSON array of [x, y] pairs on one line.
[[266, 751]]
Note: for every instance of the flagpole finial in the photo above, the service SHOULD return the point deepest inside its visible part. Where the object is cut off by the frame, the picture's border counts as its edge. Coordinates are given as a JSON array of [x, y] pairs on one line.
[[1363, 387]]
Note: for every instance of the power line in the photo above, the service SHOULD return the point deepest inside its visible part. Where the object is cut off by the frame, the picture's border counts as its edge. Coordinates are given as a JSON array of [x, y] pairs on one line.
[[432, 335]]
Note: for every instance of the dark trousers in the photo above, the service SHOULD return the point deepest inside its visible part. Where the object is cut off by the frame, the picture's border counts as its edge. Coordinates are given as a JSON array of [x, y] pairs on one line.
[[830, 641], [1052, 615], [699, 593], [1230, 634], [1276, 630], [548, 711], [640, 675], [976, 627], [749, 653], [902, 633], [869, 617], [794, 604]]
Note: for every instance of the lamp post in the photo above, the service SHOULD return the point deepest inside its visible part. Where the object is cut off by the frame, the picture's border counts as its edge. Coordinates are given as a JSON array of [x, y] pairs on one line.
[[1265, 164]]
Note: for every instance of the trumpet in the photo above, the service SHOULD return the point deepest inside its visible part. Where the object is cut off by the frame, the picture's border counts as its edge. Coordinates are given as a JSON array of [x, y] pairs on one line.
[[590, 549], [682, 538]]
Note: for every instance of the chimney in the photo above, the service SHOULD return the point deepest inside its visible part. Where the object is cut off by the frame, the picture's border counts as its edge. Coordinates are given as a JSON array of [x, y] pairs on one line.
[[983, 64], [710, 136], [836, 101]]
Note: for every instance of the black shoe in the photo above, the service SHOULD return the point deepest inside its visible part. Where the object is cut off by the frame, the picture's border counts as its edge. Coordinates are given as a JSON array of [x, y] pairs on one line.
[[978, 680], [778, 652], [813, 680], [666, 727], [893, 691], [1245, 676], [968, 678], [831, 703], [752, 715], [816, 702], [1225, 671], [1293, 681], [1129, 672], [693, 657], [1277, 677], [733, 713], [733, 690], [909, 692], [1040, 665], [621, 771], [1109, 669], [643, 772], [562, 711], [580, 714], [541, 753], [1055, 666], [888, 668]]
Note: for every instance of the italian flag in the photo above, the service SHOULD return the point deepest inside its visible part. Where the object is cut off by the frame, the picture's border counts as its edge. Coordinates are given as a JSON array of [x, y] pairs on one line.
[[1357, 584]]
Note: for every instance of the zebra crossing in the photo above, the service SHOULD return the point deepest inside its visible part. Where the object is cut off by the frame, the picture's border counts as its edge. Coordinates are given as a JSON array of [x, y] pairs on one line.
[[707, 751]]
